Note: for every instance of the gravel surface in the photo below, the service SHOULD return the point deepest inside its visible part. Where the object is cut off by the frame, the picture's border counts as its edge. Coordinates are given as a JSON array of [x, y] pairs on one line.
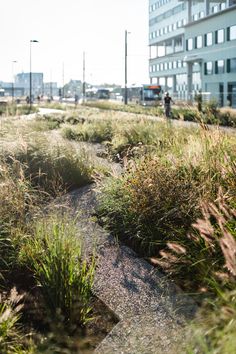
[[153, 312]]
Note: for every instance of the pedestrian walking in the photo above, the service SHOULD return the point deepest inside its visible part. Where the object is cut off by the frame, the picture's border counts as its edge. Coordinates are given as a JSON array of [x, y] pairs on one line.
[[167, 105], [76, 99]]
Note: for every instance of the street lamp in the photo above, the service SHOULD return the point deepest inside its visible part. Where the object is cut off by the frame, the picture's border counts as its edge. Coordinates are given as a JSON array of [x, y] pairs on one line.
[[126, 92], [30, 78], [14, 61]]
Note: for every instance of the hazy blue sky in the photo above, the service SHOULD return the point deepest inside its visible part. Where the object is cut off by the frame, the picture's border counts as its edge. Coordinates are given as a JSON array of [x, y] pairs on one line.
[[66, 28]]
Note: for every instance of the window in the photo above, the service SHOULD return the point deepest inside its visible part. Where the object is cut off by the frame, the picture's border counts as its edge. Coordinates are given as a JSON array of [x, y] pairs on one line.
[[179, 24], [208, 68], [189, 44], [178, 44], [157, 67], [198, 43], [214, 9], [219, 36], [201, 14], [179, 64], [174, 64], [231, 33], [161, 67], [222, 6], [219, 67], [170, 65], [208, 39], [165, 66], [231, 65]]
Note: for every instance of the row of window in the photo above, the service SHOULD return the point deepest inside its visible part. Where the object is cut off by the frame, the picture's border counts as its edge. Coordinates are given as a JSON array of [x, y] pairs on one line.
[[168, 29], [218, 67], [158, 4], [219, 37], [214, 8], [168, 65], [210, 67], [172, 12]]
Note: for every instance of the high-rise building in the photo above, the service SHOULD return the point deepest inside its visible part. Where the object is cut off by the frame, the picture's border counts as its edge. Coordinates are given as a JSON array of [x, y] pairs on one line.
[[193, 47]]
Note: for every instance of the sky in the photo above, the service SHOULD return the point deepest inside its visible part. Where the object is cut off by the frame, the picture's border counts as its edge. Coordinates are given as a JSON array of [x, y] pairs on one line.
[[67, 28]]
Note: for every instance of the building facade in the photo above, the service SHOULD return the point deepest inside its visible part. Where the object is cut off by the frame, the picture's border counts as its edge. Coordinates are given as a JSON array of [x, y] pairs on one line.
[[23, 80], [50, 89], [193, 47]]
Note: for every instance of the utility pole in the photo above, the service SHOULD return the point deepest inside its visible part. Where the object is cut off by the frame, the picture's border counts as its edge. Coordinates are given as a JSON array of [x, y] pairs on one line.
[[50, 84], [13, 62], [84, 91], [63, 93], [30, 76], [126, 93]]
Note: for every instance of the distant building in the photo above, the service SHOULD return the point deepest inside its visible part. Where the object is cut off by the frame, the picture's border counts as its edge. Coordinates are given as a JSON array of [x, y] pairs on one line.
[[23, 80], [193, 47], [10, 89], [50, 89], [72, 88]]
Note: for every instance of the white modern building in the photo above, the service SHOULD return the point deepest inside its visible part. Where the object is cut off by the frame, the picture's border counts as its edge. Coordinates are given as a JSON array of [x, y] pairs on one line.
[[193, 47]]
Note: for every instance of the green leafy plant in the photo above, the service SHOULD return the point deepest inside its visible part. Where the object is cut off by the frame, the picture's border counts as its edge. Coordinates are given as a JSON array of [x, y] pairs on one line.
[[65, 277]]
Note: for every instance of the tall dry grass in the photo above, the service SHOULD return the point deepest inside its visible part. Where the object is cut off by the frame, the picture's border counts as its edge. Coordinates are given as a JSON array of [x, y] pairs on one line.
[[159, 197], [34, 168]]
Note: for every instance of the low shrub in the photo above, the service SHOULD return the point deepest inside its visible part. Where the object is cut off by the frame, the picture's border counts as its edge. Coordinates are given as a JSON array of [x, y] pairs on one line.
[[131, 108], [227, 117], [71, 134], [52, 167], [189, 116], [154, 202], [11, 109]]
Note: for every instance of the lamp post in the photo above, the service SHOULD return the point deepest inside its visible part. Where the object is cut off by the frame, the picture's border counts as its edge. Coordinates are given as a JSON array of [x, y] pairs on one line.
[[126, 92], [30, 75], [14, 61]]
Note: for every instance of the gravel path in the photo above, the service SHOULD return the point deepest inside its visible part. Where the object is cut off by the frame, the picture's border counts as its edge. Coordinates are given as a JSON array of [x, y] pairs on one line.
[[152, 311]]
